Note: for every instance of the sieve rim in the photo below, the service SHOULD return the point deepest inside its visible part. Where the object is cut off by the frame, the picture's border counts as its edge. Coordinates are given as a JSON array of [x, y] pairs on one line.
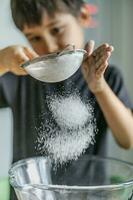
[[51, 56]]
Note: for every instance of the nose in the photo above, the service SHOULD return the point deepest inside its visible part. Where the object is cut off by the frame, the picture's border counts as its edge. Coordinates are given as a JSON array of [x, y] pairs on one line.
[[51, 44]]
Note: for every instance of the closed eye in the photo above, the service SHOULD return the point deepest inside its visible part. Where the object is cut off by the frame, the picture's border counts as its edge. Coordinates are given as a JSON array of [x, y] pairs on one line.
[[35, 39], [56, 30]]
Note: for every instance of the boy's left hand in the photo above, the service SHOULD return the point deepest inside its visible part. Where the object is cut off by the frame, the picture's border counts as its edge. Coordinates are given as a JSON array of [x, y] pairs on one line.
[[95, 64]]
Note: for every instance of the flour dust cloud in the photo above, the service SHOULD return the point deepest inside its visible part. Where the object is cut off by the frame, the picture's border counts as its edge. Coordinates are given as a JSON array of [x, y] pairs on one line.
[[69, 131]]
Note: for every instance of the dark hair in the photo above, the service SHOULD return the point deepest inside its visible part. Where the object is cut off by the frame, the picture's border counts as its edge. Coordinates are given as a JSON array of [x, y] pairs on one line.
[[30, 11]]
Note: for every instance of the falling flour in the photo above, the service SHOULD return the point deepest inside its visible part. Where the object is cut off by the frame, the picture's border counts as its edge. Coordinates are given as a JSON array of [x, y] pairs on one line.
[[74, 131], [70, 112]]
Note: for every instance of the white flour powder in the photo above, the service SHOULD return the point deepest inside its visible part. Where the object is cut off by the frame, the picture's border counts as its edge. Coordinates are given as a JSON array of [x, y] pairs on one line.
[[74, 132], [68, 146], [70, 112]]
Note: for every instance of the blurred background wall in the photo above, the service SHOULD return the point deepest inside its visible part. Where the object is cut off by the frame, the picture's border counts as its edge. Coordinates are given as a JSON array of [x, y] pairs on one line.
[[8, 36], [114, 20]]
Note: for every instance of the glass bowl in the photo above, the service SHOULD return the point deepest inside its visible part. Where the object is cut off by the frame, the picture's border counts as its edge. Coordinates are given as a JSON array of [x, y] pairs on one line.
[[88, 178]]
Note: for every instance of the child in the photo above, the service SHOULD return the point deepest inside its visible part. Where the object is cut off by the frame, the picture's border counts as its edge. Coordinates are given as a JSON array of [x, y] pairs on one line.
[[49, 25]]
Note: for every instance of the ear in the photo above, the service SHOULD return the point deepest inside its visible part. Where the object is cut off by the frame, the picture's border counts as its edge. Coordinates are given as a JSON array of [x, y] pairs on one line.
[[84, 16]]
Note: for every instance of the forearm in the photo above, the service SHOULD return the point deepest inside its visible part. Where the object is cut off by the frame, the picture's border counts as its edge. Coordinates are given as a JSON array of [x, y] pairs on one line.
[[118, 117]]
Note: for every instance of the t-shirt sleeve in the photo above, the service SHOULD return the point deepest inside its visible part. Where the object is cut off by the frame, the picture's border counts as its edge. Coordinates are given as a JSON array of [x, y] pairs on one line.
[[7, 90], [115, 80], [3, 102]]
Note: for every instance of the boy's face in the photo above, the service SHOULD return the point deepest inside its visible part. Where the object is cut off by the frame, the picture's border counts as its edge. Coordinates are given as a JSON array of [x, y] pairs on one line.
[[55, 33]]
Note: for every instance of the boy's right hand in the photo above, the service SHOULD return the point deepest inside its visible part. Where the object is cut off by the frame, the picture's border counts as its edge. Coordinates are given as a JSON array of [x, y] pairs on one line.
[[12, 57]]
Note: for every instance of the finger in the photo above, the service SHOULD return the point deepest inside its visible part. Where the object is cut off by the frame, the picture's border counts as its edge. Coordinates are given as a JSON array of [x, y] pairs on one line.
[[90, 47], [100, 49], [21, 56], [103, 52], [100, 52], [30, 53], [18, 71], [102, 60], [110, 48], [102, 69], [84, 67]]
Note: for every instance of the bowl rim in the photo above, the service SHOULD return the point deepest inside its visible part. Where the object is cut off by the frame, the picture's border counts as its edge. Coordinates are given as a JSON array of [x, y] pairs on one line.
[[67, 187]]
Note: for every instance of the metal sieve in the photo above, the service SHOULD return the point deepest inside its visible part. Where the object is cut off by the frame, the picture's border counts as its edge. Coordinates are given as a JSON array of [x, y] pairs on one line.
[[55, 67]]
